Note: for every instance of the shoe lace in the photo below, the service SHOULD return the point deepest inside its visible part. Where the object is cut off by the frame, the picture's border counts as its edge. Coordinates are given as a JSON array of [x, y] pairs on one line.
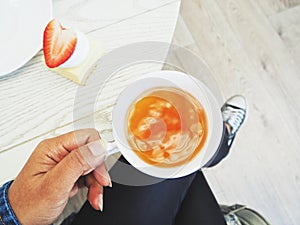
[[232, 219], [234, 117]]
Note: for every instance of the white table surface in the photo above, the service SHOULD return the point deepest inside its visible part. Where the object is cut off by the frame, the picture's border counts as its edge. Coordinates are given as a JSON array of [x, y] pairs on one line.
[[38, 104]]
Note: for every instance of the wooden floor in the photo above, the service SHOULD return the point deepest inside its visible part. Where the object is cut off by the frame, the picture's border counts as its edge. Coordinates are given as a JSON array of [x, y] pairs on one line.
[[252, 48]]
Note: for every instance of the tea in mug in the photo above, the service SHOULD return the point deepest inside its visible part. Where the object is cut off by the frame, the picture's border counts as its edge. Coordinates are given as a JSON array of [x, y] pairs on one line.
[[166, 127]]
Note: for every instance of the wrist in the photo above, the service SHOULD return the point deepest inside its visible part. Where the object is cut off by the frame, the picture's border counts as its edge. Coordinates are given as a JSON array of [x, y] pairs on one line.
[[7, 215]]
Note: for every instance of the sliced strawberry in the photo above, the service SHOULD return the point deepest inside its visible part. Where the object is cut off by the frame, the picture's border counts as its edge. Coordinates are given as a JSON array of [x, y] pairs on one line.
[[58, 44]]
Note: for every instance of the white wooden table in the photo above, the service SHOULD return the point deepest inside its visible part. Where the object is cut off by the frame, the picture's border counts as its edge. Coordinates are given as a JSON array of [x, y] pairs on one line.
[[38, 104]]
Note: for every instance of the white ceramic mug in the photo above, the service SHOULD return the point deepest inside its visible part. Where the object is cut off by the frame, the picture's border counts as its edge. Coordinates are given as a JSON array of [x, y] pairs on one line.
[[181, 81]]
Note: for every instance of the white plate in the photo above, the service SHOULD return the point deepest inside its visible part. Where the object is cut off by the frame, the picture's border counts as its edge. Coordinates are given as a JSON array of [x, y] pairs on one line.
[[21, 25]]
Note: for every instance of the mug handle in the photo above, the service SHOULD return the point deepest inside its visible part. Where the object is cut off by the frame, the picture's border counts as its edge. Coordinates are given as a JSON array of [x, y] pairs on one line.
[[111, 148]]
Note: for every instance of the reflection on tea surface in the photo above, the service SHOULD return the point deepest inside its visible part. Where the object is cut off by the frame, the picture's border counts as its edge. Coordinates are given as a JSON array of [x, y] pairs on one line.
[[166, 127]]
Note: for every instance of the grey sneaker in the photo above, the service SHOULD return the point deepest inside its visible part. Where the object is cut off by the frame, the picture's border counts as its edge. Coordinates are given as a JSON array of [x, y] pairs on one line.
[[242, 215], [234, 113]]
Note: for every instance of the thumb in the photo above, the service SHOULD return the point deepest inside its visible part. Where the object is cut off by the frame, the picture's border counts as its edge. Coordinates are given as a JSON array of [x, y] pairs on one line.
[[77, 163]]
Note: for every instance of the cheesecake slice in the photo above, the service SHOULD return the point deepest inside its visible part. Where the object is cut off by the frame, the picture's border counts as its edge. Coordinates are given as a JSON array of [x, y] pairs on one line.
[[70, 53], [81, 73]]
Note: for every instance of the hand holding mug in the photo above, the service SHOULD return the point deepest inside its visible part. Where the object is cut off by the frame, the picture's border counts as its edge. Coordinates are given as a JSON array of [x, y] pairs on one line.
[[54, 172]]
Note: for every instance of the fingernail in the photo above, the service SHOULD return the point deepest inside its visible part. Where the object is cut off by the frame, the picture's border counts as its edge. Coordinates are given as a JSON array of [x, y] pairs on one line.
[[108, 180], [101, 202], [110, 183], [97, 148], [87, 172]]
